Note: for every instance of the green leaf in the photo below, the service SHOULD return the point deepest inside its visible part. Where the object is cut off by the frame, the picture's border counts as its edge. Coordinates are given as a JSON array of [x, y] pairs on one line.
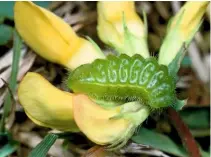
[[6, 8], [13, 79], [158, 141], [5, 33], [196, 118], [9, 148], [43, 147]]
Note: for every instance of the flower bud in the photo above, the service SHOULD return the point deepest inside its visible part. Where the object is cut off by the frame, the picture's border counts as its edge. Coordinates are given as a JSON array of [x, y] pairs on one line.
[[181, 30], [46, 105], [120, 27], [52, 38]]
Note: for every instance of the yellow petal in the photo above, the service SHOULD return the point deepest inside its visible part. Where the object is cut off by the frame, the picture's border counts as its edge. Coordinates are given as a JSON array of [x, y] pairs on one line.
[[46, 105], [110, 25], [94, 121], [87, 53], [113, 13], [108, 126], [182, 30], [49, 36], [192, 16]]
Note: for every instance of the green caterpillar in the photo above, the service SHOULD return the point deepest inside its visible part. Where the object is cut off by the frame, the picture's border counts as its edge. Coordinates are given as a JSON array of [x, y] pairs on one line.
[[125, 79]]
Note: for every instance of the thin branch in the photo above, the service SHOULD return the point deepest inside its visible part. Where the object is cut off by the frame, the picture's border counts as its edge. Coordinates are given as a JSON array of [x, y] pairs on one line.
[[184, 133]]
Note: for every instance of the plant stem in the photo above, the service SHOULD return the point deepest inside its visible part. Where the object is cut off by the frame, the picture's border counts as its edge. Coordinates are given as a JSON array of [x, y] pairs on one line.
[[184, 133]]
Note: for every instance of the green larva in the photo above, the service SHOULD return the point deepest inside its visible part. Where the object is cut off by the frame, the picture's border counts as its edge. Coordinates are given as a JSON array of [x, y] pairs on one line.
[[125, 79]]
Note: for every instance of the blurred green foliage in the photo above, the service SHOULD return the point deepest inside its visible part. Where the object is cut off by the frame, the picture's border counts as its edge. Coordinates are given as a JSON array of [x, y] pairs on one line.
[[196, 118], [6, 8], [5, 33], [158, 141]]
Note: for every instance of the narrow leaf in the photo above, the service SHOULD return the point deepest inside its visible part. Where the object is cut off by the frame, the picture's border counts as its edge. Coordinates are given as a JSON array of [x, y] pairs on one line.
[[8, 149], [43, 147], [12, 83], [158, 141]]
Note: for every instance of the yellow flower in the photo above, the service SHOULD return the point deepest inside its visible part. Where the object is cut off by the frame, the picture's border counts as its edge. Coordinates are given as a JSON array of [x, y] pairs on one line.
[[46, 105], [182, 29], [54, 40], [51, 37], [50, 107], [191, 18], [99, 124], [111, 27]]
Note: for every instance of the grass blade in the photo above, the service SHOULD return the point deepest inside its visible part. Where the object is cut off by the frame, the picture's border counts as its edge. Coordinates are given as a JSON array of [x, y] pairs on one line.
[[13, 79], [8, 149], [43, 147]]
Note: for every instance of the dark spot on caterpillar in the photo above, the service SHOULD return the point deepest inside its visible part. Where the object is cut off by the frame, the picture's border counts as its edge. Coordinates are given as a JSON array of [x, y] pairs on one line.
[[125, 78]]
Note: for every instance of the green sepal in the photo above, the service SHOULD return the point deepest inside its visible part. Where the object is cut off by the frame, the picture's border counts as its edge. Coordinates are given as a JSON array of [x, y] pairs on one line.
[[174, 65], [130, 107], [169, 24], [179, 104], [145, 24], [136, 114], [134, 44], [171, 42], [95, 46]]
